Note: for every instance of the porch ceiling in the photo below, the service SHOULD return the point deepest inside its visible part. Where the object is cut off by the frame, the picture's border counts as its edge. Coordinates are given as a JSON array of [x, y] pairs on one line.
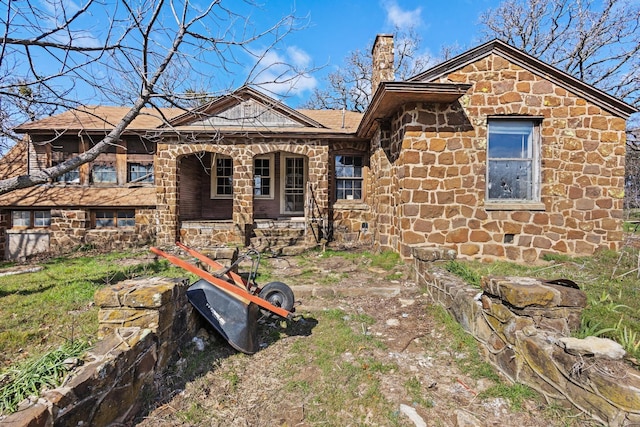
[[392, 95]]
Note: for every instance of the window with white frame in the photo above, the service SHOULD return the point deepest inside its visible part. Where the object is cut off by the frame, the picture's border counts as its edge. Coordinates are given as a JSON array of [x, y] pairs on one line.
[[513, 160], [348, 170], [139, 172], [114, 218], [30, 219], [41, 218], [263, 177], [103, 173], [62, 150], [222, 177]]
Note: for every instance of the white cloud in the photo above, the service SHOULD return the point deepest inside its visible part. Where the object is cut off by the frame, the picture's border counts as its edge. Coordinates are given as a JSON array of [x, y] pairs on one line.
[[284, 73], [401, 18]]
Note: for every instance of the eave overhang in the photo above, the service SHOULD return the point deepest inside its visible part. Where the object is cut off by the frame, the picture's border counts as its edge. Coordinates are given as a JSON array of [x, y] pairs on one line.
[[390, 96]]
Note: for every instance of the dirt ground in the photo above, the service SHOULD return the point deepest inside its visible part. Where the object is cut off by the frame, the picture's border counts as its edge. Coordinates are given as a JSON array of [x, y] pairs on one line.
[[226, 388]]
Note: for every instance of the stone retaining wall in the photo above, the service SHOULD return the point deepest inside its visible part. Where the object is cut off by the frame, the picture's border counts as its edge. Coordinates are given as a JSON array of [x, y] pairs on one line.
[[142, 323], [523, 325]]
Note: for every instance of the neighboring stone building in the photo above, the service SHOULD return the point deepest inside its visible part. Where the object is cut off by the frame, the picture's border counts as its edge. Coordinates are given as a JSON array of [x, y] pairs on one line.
[[493, 154]]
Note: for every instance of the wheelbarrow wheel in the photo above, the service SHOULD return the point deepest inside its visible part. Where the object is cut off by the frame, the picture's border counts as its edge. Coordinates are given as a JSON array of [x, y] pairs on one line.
[[278, 294]]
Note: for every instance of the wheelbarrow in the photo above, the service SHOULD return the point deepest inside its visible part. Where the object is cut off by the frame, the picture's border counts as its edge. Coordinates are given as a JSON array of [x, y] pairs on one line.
[[231, 303]]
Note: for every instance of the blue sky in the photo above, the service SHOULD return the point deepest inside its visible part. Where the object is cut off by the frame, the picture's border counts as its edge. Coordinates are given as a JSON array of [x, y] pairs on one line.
[[336, 28]]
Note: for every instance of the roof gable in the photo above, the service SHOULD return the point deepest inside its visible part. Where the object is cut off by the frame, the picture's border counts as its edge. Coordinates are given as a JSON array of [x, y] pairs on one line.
[[596, 96], [245, 108]]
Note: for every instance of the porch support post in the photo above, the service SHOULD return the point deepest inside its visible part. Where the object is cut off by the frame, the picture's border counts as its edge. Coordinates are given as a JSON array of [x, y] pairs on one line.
[[165, 172], [243, 196], [318, 177]]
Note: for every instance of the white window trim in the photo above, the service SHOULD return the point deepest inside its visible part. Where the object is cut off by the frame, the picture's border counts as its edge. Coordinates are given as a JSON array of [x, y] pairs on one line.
[[361, 178], [536, 175], [214, 178], [272, 162], [283, 170]]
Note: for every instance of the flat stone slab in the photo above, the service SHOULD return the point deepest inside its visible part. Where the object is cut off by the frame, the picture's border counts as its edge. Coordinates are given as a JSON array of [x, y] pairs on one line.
[[524, 292], [593, 346], [149, 292]]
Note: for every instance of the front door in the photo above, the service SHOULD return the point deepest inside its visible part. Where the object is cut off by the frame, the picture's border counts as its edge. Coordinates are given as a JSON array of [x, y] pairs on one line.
[[294, 173]]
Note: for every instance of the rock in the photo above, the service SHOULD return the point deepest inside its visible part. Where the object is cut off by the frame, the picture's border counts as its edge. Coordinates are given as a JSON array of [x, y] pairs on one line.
[[592, 346], [521, 292], [465, 419], [393, 322], [413, 415], [406, 302]]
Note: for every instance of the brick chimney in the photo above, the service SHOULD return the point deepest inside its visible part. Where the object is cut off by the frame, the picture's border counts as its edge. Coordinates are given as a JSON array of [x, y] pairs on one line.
[[382, 67]]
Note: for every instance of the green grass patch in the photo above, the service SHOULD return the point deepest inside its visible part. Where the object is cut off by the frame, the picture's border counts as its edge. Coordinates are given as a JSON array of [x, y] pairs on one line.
[[339, 368], [386, 259], [43, 310], [467, 355], [32, 375], [516, 394], [465, 272]]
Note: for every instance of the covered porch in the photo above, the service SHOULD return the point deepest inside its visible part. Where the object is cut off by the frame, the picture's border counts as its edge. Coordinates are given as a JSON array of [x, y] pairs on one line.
[[266, 200]]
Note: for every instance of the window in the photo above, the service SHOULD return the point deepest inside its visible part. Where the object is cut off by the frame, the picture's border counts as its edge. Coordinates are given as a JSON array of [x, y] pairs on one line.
[[294, 172], [30, 219], [41, 218], [348, 177], [138, 172], [126, 218], [222, 178], [62, 150], [262, 173], [21, 219], [103, 173], [70, 177], [513, 172], [114, 218]]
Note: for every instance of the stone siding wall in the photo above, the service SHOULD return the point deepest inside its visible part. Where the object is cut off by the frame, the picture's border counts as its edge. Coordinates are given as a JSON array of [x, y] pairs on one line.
[[382, 192], [523, 326], [203, 234], [71, 229], [142, 323], [442, 169], [352, 220]]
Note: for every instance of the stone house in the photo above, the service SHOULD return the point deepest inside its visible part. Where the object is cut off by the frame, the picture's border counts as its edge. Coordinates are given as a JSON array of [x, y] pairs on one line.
[[493, 154]]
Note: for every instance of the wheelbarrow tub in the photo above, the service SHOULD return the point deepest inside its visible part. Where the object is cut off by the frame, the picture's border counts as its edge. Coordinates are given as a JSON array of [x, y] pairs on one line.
[[235, 319]]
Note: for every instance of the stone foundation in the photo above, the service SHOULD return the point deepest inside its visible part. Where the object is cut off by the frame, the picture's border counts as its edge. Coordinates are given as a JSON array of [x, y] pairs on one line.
[[523, 325]]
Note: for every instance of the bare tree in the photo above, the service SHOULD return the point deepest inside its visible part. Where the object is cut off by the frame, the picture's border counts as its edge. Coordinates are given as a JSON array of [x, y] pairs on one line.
[[349, 87], [595, 41], [57, 55]]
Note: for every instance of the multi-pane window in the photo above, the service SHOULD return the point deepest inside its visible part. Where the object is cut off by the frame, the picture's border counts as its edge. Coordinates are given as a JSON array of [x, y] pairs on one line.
[[348, 177], [222, 177], [21, 218], [262, 172], [71, 177], [114, 218], [62, 150], [41, 218], [30, 219], [103, 173], [512, 172], [126, 218], [294, 181], [138, 172]]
